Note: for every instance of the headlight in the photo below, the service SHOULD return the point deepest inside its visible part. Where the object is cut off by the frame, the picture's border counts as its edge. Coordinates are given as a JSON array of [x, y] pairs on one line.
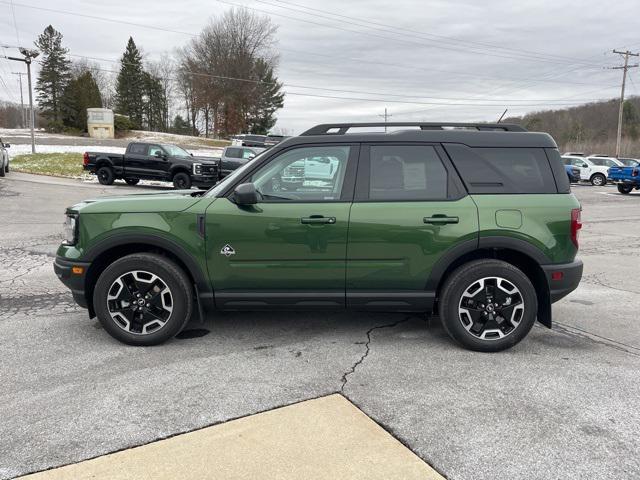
[[70, 229], [197, 168]]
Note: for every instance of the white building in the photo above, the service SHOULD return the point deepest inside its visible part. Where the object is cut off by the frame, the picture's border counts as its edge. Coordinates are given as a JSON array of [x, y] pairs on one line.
[[100, 122]]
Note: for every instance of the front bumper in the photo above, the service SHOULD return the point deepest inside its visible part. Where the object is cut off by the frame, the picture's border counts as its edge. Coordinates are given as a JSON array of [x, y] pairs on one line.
[[563, 278], [68, 273], [205, 180]]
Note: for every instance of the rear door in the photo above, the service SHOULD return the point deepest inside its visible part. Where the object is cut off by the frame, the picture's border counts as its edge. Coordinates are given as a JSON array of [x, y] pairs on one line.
[[410, 208], [134, 159]]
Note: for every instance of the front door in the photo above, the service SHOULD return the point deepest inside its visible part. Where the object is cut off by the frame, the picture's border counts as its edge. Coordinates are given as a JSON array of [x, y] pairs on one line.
[[410, 208], [290, 248]]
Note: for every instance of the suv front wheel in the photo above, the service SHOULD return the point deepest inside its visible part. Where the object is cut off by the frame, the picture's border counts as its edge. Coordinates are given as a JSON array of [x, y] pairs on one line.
[[488, 305], [143, 299]]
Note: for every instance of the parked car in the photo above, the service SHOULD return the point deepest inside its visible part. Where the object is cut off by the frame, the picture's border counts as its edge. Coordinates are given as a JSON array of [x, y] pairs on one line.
[[605, 161], [573, 173], [234, 157], [596, 174], [254, 141], [273, 140], [478, 226], [630, 162], [4, 158], [625, 178], [153, 161]]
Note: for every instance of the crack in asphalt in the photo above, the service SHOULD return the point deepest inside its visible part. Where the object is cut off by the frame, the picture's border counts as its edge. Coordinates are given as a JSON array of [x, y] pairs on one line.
[[595, 338], [367, 346]]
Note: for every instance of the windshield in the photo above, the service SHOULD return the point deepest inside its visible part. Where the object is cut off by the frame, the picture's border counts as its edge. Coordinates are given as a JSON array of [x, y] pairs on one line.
[[175, 151], [219, 187]]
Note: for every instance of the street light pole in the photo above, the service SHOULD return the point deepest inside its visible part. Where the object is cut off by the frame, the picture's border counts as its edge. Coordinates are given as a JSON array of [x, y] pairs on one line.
[[28, 56], [23, 116]]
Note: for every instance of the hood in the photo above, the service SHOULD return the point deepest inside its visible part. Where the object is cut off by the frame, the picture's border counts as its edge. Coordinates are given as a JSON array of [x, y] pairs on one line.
[[170, 201]]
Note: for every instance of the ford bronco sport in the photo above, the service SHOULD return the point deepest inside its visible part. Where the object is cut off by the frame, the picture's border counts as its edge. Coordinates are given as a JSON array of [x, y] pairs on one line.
[[472, 222]]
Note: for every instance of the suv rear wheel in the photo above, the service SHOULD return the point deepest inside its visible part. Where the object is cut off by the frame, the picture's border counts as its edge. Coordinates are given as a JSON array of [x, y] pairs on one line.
[[143, 299], [598, 180], [488, 305]]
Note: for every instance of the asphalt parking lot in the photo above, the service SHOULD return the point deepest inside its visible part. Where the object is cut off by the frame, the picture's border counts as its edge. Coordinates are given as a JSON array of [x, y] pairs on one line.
[[564, 403]]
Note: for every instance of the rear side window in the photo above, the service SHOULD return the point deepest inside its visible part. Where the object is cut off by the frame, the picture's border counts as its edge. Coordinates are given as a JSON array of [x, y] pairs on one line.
[[138, 149], [503, 170], [408, 172], [233, 152]]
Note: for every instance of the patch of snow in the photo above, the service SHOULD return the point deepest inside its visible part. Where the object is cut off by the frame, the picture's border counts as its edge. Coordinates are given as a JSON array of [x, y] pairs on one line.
[[26, 149]]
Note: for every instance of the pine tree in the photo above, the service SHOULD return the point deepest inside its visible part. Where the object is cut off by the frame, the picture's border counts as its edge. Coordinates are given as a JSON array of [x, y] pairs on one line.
[[268, 99], [54, 75], [130, 85], [81, 93]]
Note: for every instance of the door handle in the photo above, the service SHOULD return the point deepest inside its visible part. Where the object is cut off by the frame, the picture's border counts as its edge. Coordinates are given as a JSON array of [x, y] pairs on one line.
[[440, 219], [318, 220]]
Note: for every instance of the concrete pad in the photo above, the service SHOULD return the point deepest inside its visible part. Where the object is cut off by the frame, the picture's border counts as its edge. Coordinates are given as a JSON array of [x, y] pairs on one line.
[[324, 438]]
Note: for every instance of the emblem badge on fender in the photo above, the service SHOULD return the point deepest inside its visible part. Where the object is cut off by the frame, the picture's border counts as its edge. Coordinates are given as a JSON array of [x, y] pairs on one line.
[[227, 250]]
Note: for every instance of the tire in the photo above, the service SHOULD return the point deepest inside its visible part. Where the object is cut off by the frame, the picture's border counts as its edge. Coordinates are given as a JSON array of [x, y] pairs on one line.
[[182, 181], [132, 181], [463, 305], [625, 189], [105, 175], [3, 170], [598, 180], [170, 306], [6, 167]]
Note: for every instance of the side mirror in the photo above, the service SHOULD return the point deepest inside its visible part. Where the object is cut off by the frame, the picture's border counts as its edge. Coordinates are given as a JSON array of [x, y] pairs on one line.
[[251, 155], [159, 154], [245, 194]]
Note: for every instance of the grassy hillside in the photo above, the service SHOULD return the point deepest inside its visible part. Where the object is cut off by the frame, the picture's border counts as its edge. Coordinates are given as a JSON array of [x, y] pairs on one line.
[[589, 128]]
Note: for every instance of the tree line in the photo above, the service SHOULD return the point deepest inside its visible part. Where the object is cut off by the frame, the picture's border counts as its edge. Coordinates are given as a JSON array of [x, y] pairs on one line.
[[224, 82]]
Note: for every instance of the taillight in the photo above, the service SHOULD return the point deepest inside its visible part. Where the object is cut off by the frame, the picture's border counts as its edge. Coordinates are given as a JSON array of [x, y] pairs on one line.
[[634, 172], [576, 225], [85, 159]]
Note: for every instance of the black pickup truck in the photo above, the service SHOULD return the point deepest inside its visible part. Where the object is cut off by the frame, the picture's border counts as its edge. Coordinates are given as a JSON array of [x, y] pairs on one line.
[[153, 161]]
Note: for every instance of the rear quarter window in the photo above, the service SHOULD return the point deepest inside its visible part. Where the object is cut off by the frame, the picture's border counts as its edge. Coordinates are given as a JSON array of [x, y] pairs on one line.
[[504, 170]]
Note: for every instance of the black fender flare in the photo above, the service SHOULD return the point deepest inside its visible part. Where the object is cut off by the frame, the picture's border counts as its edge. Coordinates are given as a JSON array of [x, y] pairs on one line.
[[467, 247], [202, 283]]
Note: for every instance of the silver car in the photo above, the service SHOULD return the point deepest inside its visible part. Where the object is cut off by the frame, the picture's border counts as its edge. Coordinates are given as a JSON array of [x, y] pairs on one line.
[[4, 158]]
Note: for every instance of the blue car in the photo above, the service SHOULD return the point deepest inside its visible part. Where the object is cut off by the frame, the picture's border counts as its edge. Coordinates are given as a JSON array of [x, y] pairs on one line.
[[573, 173]]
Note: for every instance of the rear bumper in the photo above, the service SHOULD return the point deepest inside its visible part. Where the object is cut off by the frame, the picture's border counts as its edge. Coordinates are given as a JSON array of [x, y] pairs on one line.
[[73, 281], [624, 181], [563, 278]]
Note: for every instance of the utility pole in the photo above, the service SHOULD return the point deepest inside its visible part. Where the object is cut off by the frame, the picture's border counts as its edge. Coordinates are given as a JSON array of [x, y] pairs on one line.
[[385, 116], [624, 69], [29, 55], [24, 117]]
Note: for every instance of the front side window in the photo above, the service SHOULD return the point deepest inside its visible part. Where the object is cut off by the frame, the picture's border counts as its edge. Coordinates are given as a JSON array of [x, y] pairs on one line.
[[153, 150], [407, 172], [246, 154], [304, 174], [176, 151]]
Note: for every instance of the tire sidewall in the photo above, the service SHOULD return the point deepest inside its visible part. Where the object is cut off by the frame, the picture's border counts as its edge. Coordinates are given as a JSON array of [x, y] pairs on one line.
[[464, 277], [185, 177], [600, 176], [173, 277], [108, 172]]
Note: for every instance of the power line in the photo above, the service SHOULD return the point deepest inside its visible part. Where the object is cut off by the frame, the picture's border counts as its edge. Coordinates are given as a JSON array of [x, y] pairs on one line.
[[387, 94], [368, 33], [407, 32], [163, 29]]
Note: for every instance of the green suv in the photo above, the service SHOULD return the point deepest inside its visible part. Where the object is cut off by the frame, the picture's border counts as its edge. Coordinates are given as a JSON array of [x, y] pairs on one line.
[[473, 222]]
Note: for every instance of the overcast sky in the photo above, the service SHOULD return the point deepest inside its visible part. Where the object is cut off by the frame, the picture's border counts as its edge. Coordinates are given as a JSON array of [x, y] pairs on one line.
[[408, 56]]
